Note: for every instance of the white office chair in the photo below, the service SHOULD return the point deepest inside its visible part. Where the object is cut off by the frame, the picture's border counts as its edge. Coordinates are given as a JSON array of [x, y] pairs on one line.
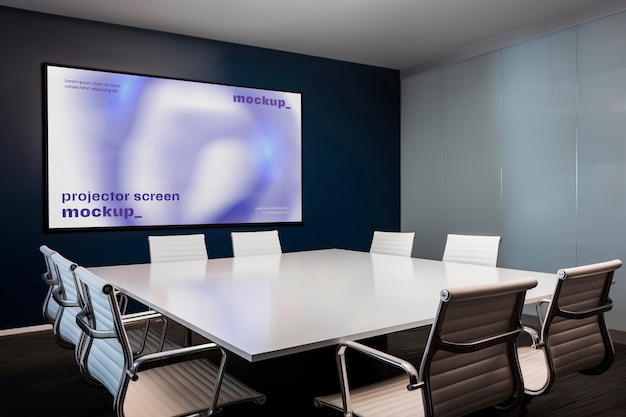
[[472, 249], [256, 243], [392, 243], [180, 381], [71, 300], [174, 248]]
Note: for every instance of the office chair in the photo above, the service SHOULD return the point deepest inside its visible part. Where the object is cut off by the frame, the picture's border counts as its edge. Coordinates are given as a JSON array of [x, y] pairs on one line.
[[573, 335], [472, 249], [71, 301], [469, 363], [392, 243], [173, 382], [173, 248], [256, 243]]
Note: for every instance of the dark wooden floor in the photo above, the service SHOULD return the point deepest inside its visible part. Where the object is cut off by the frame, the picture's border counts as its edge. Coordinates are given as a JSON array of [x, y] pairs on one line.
[[39, 378]]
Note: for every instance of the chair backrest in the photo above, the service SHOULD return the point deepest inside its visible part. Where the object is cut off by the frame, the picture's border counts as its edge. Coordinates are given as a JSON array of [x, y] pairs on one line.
[[50, 278], [175, 248], [574, 329], [470, 360], [256, 243], [69, 297], [392, 243], [109, 355], [472, 249]]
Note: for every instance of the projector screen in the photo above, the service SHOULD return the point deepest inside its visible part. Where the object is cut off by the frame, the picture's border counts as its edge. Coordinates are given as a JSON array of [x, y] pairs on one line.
[[128, 150]]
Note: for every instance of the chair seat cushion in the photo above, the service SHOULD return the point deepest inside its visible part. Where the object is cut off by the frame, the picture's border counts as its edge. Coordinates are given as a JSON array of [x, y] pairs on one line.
[[179, 388], [389, 398], [534, 368]]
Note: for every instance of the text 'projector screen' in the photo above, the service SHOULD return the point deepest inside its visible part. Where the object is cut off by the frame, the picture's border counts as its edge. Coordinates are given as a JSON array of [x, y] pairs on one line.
[[127, 150]]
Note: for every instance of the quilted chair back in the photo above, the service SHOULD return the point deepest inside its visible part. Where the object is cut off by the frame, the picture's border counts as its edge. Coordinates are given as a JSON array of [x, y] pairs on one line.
[[69, 297], [175, 248], [256, 243], [392, 243], [472, 249], [107, 356], [50, 278]]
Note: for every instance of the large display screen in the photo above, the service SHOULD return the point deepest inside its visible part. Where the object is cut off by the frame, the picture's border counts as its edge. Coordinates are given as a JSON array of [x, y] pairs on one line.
[[129, 150]]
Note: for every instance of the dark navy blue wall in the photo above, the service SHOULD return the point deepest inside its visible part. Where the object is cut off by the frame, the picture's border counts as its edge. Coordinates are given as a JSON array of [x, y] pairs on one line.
[[351, 130]]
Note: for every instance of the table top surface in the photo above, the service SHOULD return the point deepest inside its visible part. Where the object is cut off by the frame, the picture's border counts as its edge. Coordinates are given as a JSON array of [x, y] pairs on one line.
[[266, 306]]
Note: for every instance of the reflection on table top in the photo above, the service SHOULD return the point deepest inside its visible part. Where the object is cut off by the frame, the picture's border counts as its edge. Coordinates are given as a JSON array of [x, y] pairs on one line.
[[267, 306]]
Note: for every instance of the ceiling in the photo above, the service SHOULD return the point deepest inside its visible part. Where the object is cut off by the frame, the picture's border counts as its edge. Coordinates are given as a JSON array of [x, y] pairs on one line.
[[396, 34]]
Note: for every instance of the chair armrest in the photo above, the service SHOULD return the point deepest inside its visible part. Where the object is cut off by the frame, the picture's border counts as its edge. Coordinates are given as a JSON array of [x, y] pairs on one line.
[[534, 337], [45, 277], [147, 317], [539, 307], [388, 359], [170, 357], [407, 367], [82, 320], [56, 295], [122, 301], [479, 344], [141, 316], [577, 315]]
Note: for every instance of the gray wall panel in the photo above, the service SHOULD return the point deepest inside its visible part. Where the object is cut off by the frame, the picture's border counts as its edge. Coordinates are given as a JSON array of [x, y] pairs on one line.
[[421, 158], [533, 147], [471, 135], [602, 149], [539, 153]]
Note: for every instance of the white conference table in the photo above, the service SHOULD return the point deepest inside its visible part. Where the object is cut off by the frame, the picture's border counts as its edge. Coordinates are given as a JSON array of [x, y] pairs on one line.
[[267, 306]]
